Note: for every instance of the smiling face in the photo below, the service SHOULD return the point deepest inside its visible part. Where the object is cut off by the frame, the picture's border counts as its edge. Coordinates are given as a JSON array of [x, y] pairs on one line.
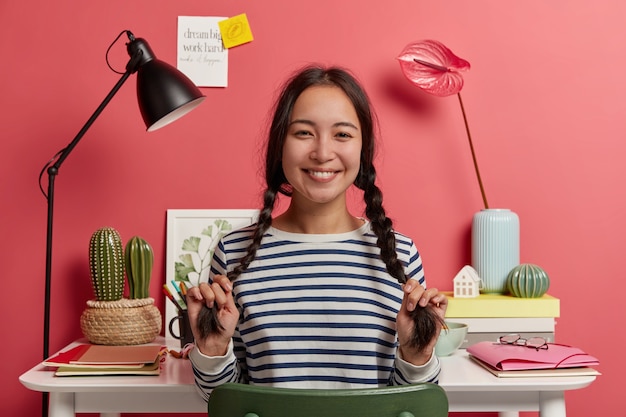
[[322, 149]]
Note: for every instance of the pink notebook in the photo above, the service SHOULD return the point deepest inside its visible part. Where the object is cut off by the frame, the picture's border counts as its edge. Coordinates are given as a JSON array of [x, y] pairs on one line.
[[511, 357]]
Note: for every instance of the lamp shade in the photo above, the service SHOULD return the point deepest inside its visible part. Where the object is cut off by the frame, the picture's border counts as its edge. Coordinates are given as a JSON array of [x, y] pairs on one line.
[[164, 93]]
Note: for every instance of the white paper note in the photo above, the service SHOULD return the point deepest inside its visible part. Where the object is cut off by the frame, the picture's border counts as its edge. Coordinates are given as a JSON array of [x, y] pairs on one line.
[[201, 55]]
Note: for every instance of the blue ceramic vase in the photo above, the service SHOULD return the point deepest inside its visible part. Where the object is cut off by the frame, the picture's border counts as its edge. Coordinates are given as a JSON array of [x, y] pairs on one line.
[[495, 247]]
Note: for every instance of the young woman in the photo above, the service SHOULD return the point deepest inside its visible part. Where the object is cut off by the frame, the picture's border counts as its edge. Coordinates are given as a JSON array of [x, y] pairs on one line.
[[317, 297]]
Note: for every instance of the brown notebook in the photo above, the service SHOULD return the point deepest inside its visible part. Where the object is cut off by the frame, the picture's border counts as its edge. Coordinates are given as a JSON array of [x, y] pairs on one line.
[[118, 355]]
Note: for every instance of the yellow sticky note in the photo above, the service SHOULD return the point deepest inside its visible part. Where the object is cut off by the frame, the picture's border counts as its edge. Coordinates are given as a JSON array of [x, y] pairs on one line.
[[235, 31]]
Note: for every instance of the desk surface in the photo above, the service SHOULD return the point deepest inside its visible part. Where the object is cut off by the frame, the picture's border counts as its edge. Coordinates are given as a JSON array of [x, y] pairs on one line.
[[469, 388]]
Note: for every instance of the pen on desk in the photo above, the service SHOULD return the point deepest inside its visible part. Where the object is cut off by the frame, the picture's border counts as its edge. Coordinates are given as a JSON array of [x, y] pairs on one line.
[[169, 295], [183, 304]]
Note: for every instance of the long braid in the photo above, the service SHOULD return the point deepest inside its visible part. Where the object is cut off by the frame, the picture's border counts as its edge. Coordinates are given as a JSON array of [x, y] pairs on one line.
[[264, 222], [207, 319], [382, 228], [425, 319]]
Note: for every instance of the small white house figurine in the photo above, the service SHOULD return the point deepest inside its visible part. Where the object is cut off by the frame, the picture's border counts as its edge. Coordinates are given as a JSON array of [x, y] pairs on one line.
[[467, 283]]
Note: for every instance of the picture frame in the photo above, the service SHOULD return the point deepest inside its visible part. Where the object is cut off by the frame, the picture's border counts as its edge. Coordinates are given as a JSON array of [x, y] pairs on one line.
[[192, 235]]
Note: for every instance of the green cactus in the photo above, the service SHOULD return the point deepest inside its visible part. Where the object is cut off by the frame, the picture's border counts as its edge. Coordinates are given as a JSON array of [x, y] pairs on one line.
[[106, 264], [139, 260]]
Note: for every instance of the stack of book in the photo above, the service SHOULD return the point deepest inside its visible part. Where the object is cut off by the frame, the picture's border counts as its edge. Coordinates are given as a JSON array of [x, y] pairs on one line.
[[490, 316], [88, 359]]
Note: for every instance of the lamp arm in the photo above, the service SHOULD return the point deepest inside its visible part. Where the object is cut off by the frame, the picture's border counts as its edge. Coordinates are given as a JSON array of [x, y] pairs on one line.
[[131, 68], [70, 147]]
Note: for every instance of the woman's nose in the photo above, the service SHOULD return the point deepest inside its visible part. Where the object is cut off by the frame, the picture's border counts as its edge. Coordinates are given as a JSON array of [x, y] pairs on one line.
[[323, 150]]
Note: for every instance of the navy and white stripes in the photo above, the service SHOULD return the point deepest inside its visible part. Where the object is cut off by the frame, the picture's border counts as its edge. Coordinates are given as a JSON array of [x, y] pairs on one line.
[[316, 311]]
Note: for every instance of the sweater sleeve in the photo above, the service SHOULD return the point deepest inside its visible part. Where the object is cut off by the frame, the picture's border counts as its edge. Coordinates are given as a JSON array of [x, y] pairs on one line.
[[212, 371], [406, 373]]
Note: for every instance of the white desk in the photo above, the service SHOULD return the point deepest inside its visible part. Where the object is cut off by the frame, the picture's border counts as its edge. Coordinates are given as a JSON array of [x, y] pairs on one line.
[[469, 388]]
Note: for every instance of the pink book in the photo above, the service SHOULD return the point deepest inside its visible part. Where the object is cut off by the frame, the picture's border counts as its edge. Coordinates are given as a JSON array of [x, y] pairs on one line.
[[512, 357]]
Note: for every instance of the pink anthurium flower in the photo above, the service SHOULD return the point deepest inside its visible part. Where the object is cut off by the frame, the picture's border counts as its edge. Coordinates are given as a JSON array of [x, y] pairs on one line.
[[432, 67]]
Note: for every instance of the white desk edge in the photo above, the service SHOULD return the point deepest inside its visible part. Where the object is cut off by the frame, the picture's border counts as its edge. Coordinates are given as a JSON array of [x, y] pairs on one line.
[[469, 388]]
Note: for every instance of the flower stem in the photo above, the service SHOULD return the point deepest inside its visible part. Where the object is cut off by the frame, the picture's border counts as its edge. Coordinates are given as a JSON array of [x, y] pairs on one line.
[[469, 138]]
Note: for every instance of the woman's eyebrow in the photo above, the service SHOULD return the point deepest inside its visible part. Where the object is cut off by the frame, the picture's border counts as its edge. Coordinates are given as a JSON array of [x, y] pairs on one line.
[[345, 124], [303, 121], [312, 123]]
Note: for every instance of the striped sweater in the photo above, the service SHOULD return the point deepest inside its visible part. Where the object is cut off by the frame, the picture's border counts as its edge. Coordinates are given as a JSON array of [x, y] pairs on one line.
[[316, 311]]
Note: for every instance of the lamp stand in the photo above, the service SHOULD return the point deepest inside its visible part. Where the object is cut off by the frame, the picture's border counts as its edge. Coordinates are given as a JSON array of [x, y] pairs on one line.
[[52, 173], [164, 95]]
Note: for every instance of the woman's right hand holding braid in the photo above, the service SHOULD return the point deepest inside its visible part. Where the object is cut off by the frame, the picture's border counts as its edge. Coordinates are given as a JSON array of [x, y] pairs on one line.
[[218, 298]]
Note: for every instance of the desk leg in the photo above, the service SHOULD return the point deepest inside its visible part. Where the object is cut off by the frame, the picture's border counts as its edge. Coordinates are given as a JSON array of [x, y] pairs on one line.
[[552, 404], [508, 414], [61, 404]]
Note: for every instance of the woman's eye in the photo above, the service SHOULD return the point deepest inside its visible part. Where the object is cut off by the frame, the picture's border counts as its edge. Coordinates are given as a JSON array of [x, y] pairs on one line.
[[343, 136], [302, 133]]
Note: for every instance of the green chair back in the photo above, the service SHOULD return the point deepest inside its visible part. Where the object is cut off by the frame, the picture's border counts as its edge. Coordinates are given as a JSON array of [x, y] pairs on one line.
[[242, 400]]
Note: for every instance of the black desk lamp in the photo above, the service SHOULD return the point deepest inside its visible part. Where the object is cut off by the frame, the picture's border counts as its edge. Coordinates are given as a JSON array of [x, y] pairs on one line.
[[164, 94]]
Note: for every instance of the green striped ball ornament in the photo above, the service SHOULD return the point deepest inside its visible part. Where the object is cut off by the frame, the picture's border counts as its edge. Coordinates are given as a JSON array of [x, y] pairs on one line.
[[528, 281]]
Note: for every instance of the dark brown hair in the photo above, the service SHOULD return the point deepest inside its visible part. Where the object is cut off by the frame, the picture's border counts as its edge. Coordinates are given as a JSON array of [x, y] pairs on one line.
[[276, 182], [275, 179]]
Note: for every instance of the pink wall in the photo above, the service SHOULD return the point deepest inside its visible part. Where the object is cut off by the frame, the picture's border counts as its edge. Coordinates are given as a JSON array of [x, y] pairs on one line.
[[544, 99]]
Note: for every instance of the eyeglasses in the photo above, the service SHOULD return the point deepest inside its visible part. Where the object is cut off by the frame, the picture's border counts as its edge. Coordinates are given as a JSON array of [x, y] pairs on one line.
[[532, 342]]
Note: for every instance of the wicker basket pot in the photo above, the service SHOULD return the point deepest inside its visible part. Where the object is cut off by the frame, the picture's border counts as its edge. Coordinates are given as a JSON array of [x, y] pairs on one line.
[[122, 322]]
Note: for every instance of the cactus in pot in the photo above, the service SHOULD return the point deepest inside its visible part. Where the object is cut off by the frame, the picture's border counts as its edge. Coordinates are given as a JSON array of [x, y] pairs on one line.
[[111, 319], [139, 259], [106, 264]]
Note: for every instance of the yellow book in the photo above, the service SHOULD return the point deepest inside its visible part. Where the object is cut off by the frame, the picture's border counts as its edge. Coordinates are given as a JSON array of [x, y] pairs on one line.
[[146, 369], [498, 305]]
